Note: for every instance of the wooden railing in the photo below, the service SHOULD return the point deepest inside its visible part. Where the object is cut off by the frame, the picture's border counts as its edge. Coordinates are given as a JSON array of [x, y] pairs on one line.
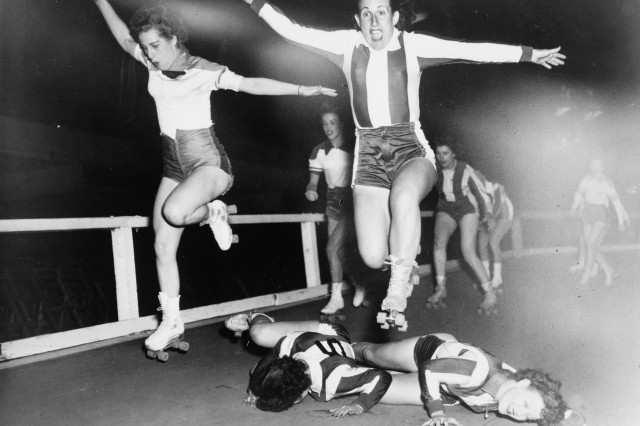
[[129, 322]]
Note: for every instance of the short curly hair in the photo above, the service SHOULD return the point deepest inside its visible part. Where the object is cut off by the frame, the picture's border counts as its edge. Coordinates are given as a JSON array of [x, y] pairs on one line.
[[159, 18], [549, 389], [279, 385], [403, 7]]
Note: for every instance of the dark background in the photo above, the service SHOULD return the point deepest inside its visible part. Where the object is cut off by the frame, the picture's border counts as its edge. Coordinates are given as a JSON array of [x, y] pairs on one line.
[[79, 133]]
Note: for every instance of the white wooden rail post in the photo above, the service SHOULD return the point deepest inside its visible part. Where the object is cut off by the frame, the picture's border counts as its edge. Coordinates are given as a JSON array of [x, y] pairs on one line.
[[125, 273], [310, 250]]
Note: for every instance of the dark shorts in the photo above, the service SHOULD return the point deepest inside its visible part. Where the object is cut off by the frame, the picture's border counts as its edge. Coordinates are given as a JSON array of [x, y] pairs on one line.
[[339, 329], [456, 209], [425, 348], [593, 213], [339, 203], [383, 151], [192, 149]]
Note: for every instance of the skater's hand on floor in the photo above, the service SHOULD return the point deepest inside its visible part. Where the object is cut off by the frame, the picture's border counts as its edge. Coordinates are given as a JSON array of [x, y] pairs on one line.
[[352, 409], [441, 420]]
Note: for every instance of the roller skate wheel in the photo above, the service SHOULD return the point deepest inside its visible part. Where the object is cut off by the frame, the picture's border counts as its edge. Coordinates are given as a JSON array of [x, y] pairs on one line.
[[400, 320], [381, 318], [235, 239], [151, 354], [183, 346], [403, 327], [238, 334], [384, 325], [232, 209], [163, 356], [365, 303]]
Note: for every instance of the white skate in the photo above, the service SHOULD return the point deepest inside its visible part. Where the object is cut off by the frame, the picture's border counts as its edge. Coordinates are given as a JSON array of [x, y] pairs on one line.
[[218, 221], [400, 287], [241, 322], [170, 332]]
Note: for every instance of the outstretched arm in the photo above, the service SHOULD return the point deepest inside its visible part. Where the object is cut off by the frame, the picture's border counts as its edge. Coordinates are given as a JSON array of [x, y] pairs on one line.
[[548, 58], [267, 86], [118, 28]]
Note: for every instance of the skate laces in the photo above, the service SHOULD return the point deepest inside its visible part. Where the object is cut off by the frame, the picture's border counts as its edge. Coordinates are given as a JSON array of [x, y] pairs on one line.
[[400, 274]]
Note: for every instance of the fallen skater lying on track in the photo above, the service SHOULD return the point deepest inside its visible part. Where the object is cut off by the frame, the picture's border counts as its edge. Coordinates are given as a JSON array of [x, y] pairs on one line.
[[318, 359]]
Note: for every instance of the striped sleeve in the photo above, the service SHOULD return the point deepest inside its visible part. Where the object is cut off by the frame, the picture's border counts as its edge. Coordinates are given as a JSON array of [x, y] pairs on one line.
[[477, 189], [345, 378], [448, 371]]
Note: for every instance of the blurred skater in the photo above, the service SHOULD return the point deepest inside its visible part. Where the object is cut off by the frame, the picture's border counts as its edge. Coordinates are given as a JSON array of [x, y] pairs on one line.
[[592, 204]]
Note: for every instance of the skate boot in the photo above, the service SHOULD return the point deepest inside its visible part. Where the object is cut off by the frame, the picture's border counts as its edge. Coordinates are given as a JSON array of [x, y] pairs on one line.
[[218, 220], [488, 305], [439, 297], [400, 286], [359, 296], [170, 332], [333, 310], [241, 322]]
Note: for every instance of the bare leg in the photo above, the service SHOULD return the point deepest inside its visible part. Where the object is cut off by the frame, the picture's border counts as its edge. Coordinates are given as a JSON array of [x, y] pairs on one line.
[[468, 233], [372, 221], [187, 204], [404, 390], [414, 181], [335, 247], [167, 239], [397, 355], [445, 226], [266, 333], [592, 235]]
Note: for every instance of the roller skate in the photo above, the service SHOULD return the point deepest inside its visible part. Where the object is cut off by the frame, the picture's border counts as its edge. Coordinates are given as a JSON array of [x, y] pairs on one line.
[[400, 287], [218, 220], [488, 305], [170, 332], [333, 310], [439, 297], [242, 322], [360, 296]]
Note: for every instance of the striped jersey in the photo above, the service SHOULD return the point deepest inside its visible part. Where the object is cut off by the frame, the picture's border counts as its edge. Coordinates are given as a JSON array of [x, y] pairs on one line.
[[462, 182], [334, 162], [332, 367], [469, 374], [383, 84], [499, 201], [185, 102]]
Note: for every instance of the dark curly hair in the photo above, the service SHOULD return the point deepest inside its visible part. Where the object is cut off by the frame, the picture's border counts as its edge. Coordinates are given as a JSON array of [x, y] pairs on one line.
[[166, 24], [278, 385], [404, 9], [549, 389], [447, 141]]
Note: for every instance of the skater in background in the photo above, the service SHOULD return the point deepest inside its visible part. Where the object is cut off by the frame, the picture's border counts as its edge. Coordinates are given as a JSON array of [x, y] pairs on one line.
[[334, 158], [394, 165], [491, 233], [462, 203], [592, 204], [196, 167]]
